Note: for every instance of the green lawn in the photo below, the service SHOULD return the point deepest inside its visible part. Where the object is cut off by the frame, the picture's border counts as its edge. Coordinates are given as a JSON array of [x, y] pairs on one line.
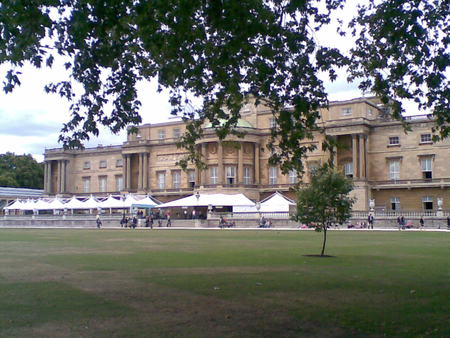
[[222, 283]]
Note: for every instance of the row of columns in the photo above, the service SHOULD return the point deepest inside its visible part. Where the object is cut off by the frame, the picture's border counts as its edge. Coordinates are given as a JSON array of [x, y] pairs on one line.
[[359, 145], [203, 175], [61, 177], [143, 173]]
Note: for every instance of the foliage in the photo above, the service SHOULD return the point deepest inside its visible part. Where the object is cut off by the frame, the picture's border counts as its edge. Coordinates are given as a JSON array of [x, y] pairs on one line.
[[21, 171], [223, 52], [325, 200]]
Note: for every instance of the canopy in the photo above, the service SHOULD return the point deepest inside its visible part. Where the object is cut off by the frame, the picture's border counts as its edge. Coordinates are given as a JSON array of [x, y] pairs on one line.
[[146, 202], [274, 203], [15, 206], [91, 203], [111, 203], [209, 199], [55, 204], [75, 203]]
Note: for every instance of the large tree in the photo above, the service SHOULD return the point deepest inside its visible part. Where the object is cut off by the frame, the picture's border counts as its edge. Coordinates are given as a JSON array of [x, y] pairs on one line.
[[325, 201], [223, 52], [20, 171]]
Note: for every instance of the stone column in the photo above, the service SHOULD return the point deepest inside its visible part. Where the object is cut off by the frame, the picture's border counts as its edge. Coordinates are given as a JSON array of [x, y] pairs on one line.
[[145, 172], [204, 171], [140, 171], [362, 156], [355, 156], [256, 166], [128, 177], [58, 181], [240, 177], [49, 176], [220, 162], [64, 176], [45, 177]]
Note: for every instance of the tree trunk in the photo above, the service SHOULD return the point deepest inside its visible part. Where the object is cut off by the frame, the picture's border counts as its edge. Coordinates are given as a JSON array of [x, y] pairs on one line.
[[324, 238]]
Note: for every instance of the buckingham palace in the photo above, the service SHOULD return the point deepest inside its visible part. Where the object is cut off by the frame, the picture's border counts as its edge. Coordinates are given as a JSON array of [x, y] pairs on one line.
[[394, 169]]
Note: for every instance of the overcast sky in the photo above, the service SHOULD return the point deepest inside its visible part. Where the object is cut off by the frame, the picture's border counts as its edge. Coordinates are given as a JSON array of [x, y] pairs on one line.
[[31, 119]]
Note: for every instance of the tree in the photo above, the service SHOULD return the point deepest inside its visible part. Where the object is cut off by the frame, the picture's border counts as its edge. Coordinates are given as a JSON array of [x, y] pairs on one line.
[[21, 171], [325, 200], [223, 52]]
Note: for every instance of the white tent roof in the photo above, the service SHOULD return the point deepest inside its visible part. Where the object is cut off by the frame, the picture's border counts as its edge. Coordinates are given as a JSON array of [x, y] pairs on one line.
[[56, 204], [274, 203], [41, 205], [111, 202], [91, 203], [209, 199], [75, 203], [15, 206], [27, 205]]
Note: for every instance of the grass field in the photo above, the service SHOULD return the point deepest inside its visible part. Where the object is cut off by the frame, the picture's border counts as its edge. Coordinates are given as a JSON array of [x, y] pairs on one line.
[[222, 283]]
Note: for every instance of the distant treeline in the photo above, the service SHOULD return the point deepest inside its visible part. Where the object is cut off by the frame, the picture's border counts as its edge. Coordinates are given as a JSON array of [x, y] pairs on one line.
[[21, 171]]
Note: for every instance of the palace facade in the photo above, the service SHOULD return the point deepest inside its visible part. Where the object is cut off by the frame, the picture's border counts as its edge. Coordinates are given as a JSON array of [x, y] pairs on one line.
[[399, 171]]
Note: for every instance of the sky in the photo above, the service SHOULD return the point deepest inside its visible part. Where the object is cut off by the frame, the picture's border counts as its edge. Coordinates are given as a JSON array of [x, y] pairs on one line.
[[32, 119]]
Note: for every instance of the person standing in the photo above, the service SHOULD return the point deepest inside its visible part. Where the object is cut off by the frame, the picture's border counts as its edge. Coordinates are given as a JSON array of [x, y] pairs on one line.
[[98, 221], [422, 223], [448, 222], [399, 223], [134, 222], [370, 221], [169, 222]]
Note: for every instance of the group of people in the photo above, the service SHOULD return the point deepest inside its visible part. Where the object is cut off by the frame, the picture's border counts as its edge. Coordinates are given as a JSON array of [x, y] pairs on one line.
[[264, 223], [131, 222]]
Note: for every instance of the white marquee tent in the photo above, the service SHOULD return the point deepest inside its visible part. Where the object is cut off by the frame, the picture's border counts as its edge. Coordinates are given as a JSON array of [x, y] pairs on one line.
[[210, 199], [274, 203]]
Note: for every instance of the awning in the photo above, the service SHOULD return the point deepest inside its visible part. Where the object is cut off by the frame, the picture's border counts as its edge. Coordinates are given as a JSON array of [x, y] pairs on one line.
[[210, 199]]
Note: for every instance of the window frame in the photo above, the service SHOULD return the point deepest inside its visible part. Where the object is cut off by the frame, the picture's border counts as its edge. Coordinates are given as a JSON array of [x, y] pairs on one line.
[[392, 144], [247, 176], [346, 111], [428, 139], [191, 178], [394, 175], [395, 201], [213, 175], [230, 174], [86, 184], [273, 175], [86, 165], [102, 164], [428, 203], [119, 182], [161, 176], [119, 163], [176, 179], [292, 176], [348, 169], [103, 183]]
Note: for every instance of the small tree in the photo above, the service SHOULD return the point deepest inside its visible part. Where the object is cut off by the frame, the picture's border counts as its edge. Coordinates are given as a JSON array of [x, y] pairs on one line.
[[325, 200]]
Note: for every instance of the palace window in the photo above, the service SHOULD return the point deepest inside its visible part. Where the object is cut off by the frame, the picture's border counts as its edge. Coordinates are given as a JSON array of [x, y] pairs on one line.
[[213, 175], [176, 133], [161, 180], [161, 135], [86, 184], [247, 175], [427, 202], [312, 168], [394, 140], [348, 169], [119, 183], [395, 203], [102, 183], [427, 172], [102, 164], [273, 123], [191, 178], [273, 175], [176, 179], [346, 111], [87, 165], [231, 174], [119, 163], [293, 177], [394, 169], [425, 138]]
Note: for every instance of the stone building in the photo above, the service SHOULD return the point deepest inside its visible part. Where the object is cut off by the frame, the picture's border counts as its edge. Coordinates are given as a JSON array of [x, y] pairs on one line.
[[400, 171]]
